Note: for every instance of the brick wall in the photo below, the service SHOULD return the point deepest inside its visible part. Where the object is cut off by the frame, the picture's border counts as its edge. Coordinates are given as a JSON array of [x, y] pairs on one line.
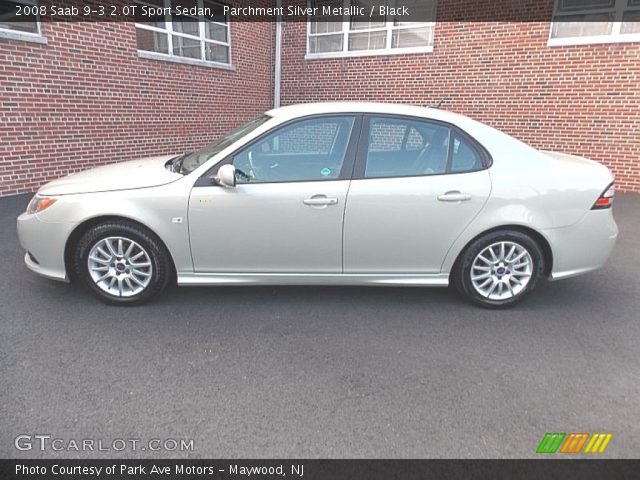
[[577, 99], [86, 98]]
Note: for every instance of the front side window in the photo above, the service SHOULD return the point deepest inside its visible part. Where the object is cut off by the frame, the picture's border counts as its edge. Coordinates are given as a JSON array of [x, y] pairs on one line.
[[307, 150], [400, 147], [20, 16], [594, 21], [331, 35], [200, 32]]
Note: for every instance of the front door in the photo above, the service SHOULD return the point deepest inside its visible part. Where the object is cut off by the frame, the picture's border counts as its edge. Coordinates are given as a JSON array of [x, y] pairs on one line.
[[286, 212]]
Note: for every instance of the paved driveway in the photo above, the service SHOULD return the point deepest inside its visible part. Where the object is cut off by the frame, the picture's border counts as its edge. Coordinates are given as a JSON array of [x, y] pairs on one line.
[[322, 372]]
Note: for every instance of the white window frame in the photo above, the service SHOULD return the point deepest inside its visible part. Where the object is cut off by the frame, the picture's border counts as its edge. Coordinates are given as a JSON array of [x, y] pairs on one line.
[[12, 34], [202, 38], [620, 7], [389, 27]]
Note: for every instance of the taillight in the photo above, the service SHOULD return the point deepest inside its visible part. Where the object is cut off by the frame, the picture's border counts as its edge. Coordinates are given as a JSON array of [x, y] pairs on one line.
[[606, 199]]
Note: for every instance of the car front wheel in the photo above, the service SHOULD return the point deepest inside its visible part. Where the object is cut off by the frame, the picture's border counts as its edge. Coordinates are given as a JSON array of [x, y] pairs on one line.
[[499, 269], [121, 263]]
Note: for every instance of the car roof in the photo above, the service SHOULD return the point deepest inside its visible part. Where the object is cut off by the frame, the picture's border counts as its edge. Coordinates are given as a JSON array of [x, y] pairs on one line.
[[305, 109]]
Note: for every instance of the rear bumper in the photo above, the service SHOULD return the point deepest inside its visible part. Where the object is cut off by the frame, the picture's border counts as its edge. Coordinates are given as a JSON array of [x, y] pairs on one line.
[[584, 246], [45, 243]]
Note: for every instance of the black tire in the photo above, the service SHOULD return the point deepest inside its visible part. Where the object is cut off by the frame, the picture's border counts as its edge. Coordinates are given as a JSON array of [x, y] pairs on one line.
[[461, 274], [160, 263]]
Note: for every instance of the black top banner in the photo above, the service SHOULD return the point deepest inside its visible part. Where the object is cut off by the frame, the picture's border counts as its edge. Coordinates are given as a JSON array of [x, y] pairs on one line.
[[319, 469], [400, 11]]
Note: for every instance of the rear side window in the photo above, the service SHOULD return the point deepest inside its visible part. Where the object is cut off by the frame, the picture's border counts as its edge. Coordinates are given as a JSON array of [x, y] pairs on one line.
[[464, 157], [404, 147], [408, 147]]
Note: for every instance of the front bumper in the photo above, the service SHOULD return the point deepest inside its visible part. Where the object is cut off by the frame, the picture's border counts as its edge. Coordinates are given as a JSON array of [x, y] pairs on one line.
[[584, 246], [45, 244]]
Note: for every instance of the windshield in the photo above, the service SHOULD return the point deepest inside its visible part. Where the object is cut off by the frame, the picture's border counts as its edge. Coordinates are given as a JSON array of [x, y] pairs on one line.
[[197, 158]]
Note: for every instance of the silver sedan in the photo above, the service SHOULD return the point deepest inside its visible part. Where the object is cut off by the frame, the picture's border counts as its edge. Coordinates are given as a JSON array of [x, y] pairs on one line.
[[330, 194]]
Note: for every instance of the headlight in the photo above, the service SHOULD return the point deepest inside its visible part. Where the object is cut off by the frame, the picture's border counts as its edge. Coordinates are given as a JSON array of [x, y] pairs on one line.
[[38, 204]]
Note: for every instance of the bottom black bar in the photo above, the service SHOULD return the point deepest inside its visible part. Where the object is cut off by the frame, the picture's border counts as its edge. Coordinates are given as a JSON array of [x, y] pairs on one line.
[[319, 469]]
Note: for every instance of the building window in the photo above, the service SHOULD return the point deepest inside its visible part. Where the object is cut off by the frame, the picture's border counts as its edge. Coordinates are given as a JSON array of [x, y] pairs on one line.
[[595, 21], [204, 38], [26, 23], [329, 36]]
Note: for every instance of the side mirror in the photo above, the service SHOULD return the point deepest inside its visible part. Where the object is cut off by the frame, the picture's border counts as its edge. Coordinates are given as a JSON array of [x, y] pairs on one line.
[[226, 176]]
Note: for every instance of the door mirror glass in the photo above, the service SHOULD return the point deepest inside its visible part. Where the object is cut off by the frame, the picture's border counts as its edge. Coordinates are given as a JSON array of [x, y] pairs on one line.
[[226, 176]]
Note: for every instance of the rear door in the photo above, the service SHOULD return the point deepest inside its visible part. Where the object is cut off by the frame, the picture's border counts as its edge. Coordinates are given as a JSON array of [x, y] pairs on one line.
[[416, 187]]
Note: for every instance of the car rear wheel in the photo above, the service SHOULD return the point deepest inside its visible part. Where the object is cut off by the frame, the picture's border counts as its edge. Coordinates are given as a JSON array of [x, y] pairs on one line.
[[121, 263], [499, 269]]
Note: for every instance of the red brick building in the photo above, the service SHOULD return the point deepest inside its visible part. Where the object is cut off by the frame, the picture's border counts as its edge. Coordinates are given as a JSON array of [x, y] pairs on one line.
[[89, 96], [99, 92]]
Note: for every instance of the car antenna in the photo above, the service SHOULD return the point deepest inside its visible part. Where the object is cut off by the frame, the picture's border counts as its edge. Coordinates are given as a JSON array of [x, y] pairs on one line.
[[439, 104]]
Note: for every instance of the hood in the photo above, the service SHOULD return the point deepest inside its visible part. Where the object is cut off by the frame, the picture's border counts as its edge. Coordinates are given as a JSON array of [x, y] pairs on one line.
[[145, 172]]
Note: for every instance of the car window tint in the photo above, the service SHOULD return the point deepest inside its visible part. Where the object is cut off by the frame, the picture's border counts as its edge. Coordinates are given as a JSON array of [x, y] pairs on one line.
[[415, 141], [464, 157], [197, 158], [402, 147], [307, 150], [386, 136], [310, 137]]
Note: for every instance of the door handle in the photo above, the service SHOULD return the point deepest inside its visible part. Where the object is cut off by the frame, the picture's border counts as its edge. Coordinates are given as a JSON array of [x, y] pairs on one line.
[[454, 196], [320, 200]]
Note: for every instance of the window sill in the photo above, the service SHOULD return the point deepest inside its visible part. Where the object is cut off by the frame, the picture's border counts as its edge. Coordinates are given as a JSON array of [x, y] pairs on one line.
[[601, 39], [182, 60], [369, 53], [23, 37]]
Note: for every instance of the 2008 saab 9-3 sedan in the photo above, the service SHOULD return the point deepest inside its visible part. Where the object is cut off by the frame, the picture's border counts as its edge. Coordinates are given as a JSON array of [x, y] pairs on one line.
[[330, 194]]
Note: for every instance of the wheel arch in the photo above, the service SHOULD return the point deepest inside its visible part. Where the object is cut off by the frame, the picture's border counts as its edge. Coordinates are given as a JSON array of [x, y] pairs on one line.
[[542, 242], [83, 227]]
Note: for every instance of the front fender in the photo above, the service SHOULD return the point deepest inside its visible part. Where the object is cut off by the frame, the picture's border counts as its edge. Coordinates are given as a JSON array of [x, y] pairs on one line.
[[163, 210]]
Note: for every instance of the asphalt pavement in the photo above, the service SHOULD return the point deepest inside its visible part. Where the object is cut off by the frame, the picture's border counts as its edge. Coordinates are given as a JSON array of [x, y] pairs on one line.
[[306, 372]]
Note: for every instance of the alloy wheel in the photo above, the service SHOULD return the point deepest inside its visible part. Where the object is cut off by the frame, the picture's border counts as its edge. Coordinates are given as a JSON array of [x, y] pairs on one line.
[[120, 266], [501, 271]]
